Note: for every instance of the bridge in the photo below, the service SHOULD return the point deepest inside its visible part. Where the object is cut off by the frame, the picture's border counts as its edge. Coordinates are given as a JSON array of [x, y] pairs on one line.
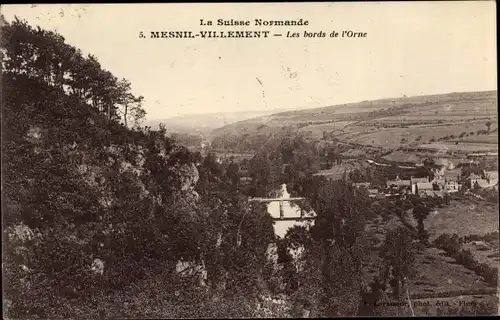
[[282, 211]]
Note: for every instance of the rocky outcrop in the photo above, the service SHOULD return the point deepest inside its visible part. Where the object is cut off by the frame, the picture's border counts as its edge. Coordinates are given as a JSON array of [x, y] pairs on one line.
[[189, 177]]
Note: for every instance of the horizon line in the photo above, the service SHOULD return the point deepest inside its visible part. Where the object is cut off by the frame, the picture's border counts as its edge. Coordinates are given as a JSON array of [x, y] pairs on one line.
[[327, 106]]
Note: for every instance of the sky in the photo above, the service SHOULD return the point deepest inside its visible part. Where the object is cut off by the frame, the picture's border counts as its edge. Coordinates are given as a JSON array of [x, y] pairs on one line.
[[411, 48]]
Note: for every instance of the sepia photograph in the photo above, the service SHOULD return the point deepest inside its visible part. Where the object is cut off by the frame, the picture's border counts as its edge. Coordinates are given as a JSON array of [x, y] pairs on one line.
[[249, 160]]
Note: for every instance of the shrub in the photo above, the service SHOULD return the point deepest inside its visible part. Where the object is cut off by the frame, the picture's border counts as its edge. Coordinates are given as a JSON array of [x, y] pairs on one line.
[[452, 246]]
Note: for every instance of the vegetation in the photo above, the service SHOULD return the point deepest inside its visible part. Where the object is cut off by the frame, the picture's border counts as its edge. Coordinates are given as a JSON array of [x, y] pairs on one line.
[[98, 211], [452, 244], [106, 218]]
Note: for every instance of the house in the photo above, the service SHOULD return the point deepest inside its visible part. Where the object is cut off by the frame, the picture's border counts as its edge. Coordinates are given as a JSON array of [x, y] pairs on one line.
[[419, 180], [492, 176], [447, 184], [398, 183], [439, 181], [453, 174], [423, 187], [487, 179], [372, 193], [246, 180], [361, 185], [451, 186], [432, 194]]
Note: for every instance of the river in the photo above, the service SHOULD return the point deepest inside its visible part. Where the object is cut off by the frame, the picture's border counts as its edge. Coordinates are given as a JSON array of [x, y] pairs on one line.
[[281, 227]]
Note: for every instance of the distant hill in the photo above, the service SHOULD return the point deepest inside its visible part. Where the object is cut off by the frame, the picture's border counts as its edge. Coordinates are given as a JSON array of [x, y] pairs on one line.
[[204, 123], [389, 123]]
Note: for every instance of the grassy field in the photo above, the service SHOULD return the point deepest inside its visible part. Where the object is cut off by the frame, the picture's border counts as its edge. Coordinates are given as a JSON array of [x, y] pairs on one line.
[[491, 138], [316, 130], [379, 123], [412, 135], [434, 272], [438, 273], [463, 217], [460, 147], [337, 171], [484, 252]]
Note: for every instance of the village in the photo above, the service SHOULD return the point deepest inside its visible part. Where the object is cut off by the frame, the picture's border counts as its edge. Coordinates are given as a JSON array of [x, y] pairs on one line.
[[430, 177], [444, 178]]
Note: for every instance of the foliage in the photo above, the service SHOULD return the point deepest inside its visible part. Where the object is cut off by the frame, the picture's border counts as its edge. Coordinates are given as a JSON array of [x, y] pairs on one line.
[[452, 245], [335, 246], [93, 209], [39, 54], [398, 253], [421, 211]]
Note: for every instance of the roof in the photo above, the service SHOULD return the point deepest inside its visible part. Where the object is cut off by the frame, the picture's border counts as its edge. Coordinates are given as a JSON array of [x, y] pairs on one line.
[[451, 174], [491, 173], [440, 181], [483, 183], [433, 193], [424, 186], [420, 180], [474, 176], [399, 182], [361, 184]]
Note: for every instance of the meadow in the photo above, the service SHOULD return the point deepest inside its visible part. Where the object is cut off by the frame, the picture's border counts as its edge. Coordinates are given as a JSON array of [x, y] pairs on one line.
[[463, 217], [454, 118]]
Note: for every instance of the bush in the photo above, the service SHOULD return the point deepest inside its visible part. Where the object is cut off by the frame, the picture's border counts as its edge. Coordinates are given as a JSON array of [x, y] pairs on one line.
[[452, 246], [465, 258]]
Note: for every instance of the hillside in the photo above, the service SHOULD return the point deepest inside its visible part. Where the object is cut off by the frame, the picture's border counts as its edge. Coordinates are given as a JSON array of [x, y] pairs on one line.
[[467, 119], [204, 123], [100, 219]]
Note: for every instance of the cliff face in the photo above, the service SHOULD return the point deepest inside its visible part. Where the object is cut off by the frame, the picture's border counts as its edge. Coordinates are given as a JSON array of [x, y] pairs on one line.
[[189, 177], [92, 191]]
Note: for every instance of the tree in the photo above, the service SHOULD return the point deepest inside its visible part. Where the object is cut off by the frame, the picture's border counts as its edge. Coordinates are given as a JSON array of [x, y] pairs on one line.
[[477, 186], [130, 106], [357, 176], [89, 191], [43, 55], [337, 246], [488, 125], [398, 254], [420, 212], [232, 173]]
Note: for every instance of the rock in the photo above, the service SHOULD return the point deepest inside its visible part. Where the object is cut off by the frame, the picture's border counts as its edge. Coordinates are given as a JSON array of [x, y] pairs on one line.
[[97, 266], [21, 233], [189, 176]]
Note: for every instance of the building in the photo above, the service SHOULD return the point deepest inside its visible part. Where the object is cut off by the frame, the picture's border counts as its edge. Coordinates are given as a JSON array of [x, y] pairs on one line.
[[409, 186], [485, 180], [423, 187], [492, 176], [361, 185], [432, 194], [398, 183], [372, 193], [419, 180], [448, 183], [451, 186]]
